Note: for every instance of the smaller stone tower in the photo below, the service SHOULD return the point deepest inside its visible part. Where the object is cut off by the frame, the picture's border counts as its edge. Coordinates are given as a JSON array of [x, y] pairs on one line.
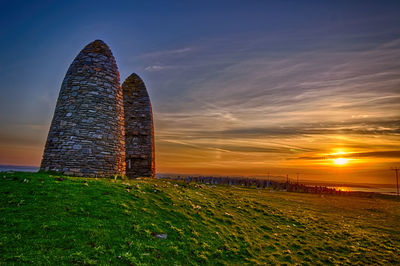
[[139, 131]]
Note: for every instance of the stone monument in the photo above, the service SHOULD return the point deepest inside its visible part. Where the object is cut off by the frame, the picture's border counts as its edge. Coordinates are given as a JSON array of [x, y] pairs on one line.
[[139, 132], [87, 133]]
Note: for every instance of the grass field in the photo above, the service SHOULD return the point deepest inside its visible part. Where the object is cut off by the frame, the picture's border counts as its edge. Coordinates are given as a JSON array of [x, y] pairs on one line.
[[48, 219]]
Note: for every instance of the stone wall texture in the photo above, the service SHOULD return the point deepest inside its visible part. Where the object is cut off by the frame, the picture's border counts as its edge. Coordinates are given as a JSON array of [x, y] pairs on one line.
[[139, 131], [86, 136]]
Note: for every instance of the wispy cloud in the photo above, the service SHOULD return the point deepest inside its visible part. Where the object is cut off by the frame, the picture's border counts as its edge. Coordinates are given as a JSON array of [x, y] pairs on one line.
[[314, 84], [167, 52], [374, 154], [156, 68]]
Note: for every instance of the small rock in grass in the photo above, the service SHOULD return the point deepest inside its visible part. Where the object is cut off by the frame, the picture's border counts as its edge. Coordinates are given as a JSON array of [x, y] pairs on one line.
[[162, 236]]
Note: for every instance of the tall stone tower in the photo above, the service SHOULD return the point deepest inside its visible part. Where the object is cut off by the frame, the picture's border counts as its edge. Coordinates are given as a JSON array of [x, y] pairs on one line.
[[86, 136], [139, 131]]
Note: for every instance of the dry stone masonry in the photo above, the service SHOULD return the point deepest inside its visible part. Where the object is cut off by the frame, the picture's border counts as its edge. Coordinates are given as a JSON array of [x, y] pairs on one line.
[[87, 133], [139, 140]]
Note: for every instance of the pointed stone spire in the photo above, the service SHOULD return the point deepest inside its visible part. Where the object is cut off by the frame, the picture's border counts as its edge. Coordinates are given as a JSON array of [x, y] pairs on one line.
[[86, 136], [139, 131]]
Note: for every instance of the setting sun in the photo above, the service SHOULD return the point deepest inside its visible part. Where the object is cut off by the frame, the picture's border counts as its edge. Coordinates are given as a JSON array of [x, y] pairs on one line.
[[340, 161]]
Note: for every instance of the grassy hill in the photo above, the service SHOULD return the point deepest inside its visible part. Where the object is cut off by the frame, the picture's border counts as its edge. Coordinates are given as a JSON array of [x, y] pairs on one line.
[[48, 219]]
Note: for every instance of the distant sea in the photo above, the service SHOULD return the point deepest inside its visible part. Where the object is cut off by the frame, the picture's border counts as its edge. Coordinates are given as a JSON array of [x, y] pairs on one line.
[[6, 168], [381, 190]]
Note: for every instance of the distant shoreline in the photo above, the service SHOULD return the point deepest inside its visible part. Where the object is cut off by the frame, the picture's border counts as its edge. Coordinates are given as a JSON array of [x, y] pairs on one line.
[[5, 168]]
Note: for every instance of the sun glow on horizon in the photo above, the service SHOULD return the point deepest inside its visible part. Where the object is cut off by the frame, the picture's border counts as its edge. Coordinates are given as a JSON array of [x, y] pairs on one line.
[[341, 161]]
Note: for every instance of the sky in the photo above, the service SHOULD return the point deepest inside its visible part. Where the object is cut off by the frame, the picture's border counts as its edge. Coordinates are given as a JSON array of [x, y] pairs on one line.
[[237, 87]]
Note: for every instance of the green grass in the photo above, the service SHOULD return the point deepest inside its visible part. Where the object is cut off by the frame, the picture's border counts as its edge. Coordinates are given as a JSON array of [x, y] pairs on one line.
[[47, 220]]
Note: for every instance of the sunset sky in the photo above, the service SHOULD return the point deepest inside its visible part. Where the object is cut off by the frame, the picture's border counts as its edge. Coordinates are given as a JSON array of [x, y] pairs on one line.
[[237, 87]]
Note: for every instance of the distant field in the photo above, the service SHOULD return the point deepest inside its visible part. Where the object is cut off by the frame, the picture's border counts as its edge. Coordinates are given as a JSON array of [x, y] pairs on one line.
[[48, 219]]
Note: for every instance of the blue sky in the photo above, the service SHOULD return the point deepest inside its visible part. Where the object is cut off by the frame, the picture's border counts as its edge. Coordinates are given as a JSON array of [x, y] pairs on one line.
[[236, 86]]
